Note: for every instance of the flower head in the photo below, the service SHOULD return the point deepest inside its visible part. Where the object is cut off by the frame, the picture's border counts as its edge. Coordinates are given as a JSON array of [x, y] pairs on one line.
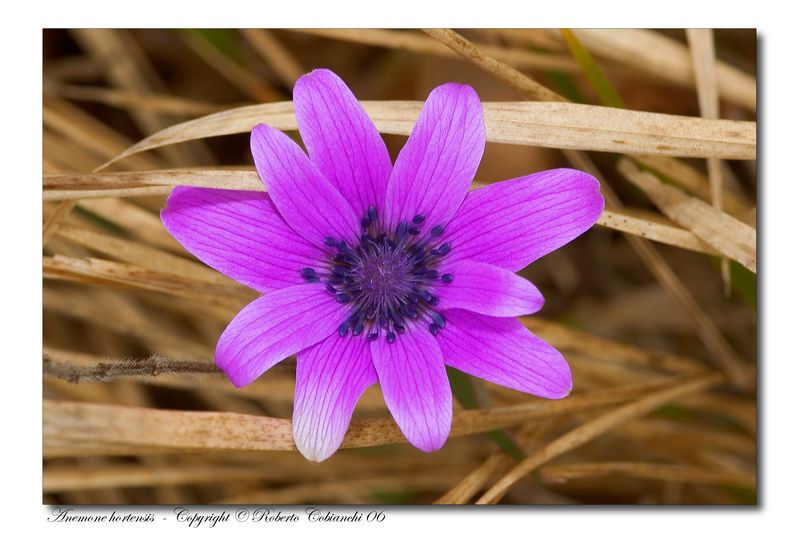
[[373, 272]]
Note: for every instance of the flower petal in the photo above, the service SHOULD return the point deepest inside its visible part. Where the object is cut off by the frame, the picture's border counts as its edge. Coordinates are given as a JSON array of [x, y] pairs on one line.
[[512, 223], [331, 376], [275, 326], [487, 289], [434, 169], [415, 386], [503, 351], [240, 234], [306, 200], [341, 139]]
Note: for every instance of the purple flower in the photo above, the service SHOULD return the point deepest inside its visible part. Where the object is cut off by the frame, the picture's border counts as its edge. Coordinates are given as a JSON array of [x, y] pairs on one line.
[[379, 273]]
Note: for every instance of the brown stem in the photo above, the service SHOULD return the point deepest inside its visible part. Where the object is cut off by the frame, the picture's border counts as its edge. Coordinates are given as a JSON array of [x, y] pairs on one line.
[[108, 370]]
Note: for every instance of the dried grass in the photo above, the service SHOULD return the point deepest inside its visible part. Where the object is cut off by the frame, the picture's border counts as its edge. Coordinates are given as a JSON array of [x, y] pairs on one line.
[[135, 411], [703, 54], [736, 239], [545, 124]]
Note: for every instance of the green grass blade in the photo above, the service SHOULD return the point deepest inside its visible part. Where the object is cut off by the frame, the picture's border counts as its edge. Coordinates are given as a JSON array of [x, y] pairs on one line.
[[564, 84], [596, 77], [224, 40]]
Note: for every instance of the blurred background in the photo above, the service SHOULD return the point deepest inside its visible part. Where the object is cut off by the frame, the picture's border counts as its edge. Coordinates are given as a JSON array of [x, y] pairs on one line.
[[618, 322]]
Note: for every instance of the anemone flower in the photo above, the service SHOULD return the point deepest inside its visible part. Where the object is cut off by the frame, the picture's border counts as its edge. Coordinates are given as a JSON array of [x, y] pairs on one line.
[[372, 272]]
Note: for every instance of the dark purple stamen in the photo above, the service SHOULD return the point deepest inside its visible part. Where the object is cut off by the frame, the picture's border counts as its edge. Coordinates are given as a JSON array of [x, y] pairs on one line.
[[339, 270], [385, 277], [402, 229]]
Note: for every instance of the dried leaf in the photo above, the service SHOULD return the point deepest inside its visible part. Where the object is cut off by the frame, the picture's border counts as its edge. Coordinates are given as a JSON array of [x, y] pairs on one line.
[[548, 124], [720, 230]]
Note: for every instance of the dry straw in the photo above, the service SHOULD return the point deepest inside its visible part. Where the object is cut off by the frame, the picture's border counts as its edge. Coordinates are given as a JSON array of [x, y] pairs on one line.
[[135, 411]]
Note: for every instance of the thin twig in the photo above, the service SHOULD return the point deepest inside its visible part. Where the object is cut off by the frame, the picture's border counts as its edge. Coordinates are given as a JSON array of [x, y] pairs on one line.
[[108, 370], [413, 42], [504, 72]]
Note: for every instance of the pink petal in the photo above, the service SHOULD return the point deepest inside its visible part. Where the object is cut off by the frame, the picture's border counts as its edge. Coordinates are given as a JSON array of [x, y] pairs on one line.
[[240, 234], [309, 203], [331, 376], [512, 223], [275, 326], [415, 386], [434, 169], [342, 141], [487, 289], [503, 351]]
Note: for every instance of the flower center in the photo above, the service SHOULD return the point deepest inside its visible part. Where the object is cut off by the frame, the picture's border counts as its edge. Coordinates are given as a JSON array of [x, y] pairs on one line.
[[387, 277]]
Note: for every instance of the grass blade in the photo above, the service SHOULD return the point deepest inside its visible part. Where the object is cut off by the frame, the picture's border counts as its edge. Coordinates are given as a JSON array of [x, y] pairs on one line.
[[596, 77]]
